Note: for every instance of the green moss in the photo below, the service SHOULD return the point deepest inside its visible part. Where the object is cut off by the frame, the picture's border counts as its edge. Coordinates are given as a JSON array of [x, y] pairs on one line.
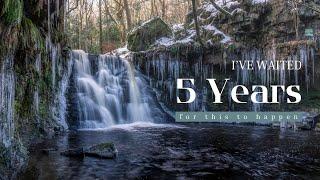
[[30, 35], [12, 11], [4, 6], [103, 146], [141, 38]]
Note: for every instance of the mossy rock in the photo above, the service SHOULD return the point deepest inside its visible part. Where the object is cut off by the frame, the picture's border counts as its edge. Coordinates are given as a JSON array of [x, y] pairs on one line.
[[4, 156], [103, 150], [12, 11], [30, 35], [142, 37]]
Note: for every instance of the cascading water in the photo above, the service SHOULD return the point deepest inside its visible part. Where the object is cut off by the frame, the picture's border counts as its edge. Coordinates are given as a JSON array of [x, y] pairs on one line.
[[109, 91]]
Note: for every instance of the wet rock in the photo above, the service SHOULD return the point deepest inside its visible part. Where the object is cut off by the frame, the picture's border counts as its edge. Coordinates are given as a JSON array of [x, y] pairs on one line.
[[104, 150], [140, 38], [47, 151], [317, 128], [306, 127], [73, 153]]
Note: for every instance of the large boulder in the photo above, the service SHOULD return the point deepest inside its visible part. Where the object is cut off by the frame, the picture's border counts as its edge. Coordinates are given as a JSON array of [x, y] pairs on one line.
[[142, 37]]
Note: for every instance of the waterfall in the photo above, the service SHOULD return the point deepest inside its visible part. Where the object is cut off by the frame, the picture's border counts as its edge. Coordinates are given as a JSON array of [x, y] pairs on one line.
[[7, 93], [109, 91]]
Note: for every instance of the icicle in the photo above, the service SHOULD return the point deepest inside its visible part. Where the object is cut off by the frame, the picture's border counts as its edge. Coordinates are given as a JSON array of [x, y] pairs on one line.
[[64, 83], [7, 97], [36, 93], [312, 59]]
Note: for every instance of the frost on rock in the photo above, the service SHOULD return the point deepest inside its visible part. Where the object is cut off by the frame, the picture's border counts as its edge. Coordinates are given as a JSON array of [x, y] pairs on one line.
[[167, 42], [226, 39], [177, 27], [226, 4], [259, 1], [122, 50]]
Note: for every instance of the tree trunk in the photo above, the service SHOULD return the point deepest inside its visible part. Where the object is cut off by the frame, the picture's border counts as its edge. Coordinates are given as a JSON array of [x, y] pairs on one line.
[[128, 14], [100, 27], [80, 25], [163, 9], [215, 5], [108, 13], [195, 18]]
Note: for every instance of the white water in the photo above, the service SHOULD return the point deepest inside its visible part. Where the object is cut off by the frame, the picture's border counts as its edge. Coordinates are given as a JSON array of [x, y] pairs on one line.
[[109, 91], [135, 126]]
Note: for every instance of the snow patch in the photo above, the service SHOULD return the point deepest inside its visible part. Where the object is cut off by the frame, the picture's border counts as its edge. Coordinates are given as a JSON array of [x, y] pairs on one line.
[[259, 1], [207, 6], [165, 41], [122, 50], [189, 38], [226, 38], [177, 27]]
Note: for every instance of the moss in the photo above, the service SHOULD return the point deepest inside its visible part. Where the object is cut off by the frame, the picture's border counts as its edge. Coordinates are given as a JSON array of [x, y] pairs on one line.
[[12, 11], [103, 146], [4, 6], [4, 158], [142, 37], [30, 36]]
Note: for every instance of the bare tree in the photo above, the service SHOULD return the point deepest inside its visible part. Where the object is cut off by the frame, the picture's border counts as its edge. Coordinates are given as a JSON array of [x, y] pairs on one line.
[[108, 13], [128, 14], [100, 26], [195, 18]]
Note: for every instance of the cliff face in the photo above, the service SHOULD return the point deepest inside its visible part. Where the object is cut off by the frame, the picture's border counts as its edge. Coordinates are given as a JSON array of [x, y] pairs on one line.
[[253, 30], [33, 76]]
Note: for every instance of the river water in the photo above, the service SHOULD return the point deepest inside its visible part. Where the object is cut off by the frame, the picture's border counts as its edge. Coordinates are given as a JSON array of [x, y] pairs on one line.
[[182, 151]]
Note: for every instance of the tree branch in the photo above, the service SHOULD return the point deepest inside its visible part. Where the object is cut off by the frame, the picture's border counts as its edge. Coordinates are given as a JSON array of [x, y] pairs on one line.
[[73, 8], [215, 5], [109, 13]]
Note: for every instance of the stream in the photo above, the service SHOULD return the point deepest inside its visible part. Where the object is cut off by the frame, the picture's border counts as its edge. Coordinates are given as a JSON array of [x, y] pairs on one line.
[[162, 151]]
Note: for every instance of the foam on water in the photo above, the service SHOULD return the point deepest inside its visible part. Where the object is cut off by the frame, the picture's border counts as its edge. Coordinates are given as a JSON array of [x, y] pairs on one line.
[[135, 126]]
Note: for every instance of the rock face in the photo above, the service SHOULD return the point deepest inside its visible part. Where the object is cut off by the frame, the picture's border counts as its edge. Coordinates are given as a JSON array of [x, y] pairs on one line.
[[103, 150], [140, 38], [33, 77]]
